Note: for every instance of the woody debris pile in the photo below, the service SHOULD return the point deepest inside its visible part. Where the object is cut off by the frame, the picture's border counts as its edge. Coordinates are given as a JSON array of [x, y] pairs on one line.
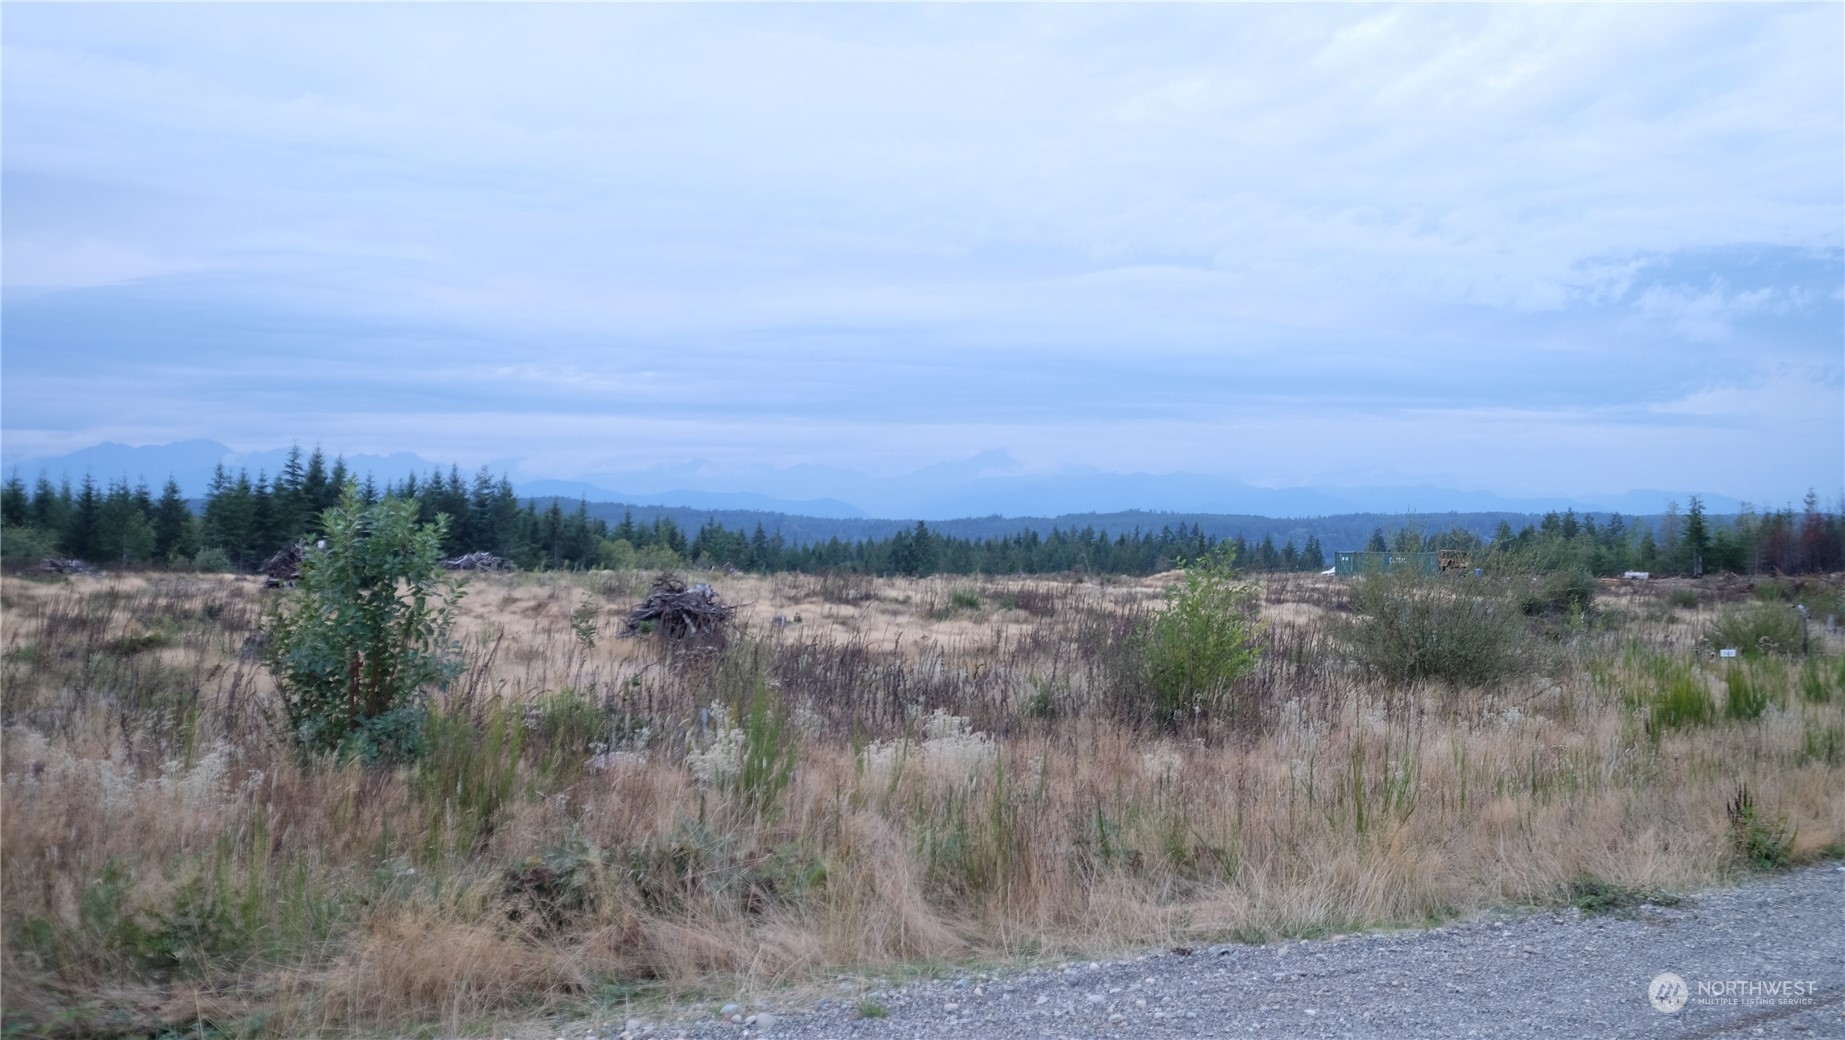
[[284, 568], [676, 611]]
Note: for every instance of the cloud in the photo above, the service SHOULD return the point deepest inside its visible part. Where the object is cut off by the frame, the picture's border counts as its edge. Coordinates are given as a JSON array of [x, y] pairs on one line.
[[1710, 315], [921, 231]]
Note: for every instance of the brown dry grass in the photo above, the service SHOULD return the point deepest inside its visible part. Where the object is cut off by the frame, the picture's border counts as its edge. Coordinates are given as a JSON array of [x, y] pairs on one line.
[[961, 792]]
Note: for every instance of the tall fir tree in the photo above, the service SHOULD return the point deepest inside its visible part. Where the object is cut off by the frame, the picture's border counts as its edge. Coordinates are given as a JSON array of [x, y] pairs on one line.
[[172, 523]]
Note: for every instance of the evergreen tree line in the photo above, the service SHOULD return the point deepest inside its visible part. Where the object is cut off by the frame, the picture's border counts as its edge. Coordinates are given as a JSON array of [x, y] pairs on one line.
[[245, 520], [920, 551], [1693, 543]]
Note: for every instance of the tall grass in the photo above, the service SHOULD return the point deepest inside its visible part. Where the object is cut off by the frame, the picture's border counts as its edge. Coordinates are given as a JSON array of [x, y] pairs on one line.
[[880, 783]]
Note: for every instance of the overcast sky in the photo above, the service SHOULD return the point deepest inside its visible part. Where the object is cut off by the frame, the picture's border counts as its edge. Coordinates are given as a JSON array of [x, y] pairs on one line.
[[1557, 249]]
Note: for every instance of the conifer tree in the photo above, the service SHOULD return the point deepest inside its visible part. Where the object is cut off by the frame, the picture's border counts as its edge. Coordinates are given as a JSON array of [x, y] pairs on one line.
[[1697, 536], [15, 506], [80, 532], [1313, 557], [172, 523]]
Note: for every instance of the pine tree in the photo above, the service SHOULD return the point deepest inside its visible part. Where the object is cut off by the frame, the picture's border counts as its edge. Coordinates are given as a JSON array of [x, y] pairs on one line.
[[48, 509], [1668, 543], [1697, 536], [229, 517], [288, 506], [80, 533], [124, 534], [318, 493], [1266, 558], [1313, 557], [172, 523], [15, 506]]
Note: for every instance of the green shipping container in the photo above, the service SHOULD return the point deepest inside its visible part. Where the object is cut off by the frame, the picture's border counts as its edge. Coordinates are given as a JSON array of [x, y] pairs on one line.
[[1347, 564]]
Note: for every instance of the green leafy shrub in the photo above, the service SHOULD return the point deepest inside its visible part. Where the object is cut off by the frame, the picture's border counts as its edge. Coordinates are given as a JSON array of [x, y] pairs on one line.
[[26, 546], [355, 647], [1684, 599], [1766, 628], [212, 561], [1202, 642], [1415, 627]]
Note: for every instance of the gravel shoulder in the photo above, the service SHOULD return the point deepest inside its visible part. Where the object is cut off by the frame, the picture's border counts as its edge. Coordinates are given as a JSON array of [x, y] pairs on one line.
[[1508, 973]]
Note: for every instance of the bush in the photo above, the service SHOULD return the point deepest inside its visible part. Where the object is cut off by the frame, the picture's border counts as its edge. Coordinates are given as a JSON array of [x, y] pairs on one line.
[[1416, 627], [1202, 642], [959, 601], [353, 648], [26, 546], [1560, 592], [212, 561], [616, 554], [1766, 628]]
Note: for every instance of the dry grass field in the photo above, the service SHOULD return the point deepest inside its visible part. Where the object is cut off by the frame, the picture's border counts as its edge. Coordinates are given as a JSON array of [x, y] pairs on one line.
[[901, 772]]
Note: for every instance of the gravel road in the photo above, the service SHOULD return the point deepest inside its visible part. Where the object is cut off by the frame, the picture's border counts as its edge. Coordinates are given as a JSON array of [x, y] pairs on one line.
[[1507, 974]]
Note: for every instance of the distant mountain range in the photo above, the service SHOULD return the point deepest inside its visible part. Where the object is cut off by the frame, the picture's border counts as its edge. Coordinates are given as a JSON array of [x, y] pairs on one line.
[[1335, 532], [989, 485]]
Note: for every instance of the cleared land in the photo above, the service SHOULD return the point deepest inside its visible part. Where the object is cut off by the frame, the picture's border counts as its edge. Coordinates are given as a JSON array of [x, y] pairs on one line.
[[596, 821]]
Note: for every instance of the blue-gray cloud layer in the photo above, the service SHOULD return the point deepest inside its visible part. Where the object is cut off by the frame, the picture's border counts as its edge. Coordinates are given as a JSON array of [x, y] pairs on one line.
[[1558, 249]]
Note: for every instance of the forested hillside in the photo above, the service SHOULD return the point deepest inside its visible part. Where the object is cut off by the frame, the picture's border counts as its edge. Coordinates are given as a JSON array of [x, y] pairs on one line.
[[243, 520]]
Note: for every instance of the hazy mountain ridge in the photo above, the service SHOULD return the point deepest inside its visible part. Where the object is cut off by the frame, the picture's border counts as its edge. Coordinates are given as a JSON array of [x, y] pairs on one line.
[[983, 493], [1335, 532]]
